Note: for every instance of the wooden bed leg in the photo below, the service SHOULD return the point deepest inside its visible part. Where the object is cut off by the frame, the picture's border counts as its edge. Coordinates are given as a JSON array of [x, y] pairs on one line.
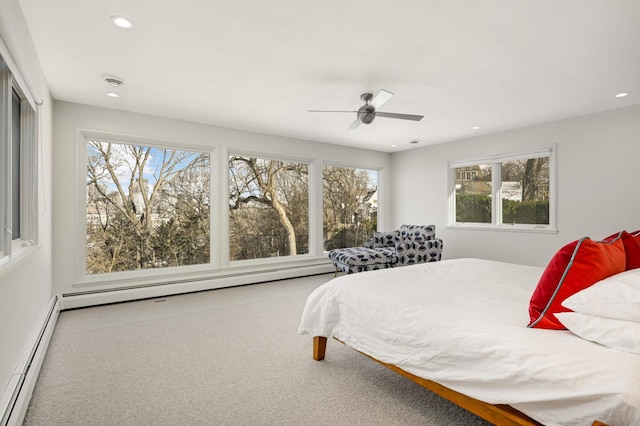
[[319, 347]]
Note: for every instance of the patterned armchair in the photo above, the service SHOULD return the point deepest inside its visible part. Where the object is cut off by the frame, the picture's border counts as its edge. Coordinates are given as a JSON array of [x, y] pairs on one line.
[[408, 245]]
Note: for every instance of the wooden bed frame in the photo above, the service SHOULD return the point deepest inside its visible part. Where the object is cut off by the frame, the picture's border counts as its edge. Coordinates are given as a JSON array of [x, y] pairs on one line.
[[496, 414]]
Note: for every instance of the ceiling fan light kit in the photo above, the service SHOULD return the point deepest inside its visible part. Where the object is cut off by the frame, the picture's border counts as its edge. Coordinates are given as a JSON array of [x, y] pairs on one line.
[[368, 112]]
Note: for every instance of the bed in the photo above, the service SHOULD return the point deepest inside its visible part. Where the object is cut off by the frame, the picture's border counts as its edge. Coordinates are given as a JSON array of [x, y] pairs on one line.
[[459, 328]]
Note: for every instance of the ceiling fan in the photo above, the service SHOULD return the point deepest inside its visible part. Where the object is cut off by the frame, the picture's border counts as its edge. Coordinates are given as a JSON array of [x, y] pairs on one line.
[[368, 112]]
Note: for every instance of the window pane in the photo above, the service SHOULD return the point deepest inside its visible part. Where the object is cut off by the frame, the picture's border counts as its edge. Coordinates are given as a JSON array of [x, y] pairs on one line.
[[147, 207], [350, 206], [525, 191], [473, 193], [268, 208]]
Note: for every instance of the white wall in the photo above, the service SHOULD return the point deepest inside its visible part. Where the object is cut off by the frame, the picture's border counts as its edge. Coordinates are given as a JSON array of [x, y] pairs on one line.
[[25, 286], [71, 119], [598, 185]]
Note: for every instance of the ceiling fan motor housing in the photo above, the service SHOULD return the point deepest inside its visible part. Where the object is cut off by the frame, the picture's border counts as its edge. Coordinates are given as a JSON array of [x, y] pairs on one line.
[[366, 114]]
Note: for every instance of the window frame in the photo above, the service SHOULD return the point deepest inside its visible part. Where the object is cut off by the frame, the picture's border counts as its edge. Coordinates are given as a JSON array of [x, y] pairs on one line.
[[28, 117], [496, 200], [138, 275]]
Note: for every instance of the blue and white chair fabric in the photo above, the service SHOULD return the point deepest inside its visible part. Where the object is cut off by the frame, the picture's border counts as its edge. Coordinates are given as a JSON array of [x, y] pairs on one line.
[[410, 244], [360, 259], [419, 252]]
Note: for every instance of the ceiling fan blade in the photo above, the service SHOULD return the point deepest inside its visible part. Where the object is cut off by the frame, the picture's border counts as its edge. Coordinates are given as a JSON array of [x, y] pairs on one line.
[[381, 97], [355, 124], [400, 116], [322, 110]]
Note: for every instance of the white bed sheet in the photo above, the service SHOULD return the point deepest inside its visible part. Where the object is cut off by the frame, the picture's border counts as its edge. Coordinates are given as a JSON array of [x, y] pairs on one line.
[[463, 323]]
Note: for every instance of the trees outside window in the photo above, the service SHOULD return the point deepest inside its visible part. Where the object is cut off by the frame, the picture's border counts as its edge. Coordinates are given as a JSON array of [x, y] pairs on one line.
[[473, 193], [350, 206], [525, 191], [147, 207], [512, 190], [268, 208]]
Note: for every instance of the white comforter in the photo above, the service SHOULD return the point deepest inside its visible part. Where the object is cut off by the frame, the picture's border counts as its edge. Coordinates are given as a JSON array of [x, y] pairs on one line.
[[463, 323]]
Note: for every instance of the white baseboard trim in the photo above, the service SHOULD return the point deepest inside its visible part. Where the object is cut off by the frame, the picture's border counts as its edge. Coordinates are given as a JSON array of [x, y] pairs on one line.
[[15, 399], [147, 291]]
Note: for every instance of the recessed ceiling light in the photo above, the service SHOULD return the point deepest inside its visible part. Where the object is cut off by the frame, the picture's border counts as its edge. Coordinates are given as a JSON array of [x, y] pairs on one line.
[[622, 95], [393, 145], [475, 128], [112, 94], [122, 22]]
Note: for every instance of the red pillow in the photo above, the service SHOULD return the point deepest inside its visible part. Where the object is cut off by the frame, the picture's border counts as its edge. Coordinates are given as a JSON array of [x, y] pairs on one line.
[[574, 267], [632, 249], [631, 244]]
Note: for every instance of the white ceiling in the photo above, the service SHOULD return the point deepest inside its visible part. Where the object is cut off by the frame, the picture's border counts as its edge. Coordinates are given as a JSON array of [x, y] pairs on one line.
[[260, 65]]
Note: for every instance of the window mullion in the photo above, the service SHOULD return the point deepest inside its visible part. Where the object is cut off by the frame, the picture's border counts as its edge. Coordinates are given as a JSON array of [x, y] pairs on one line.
[[16, 167], [29, 176], [5, 159], [496, 193]]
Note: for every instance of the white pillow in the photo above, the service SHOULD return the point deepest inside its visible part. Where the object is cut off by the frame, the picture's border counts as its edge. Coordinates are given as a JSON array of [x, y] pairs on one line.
[[615, 334], [616, 297]]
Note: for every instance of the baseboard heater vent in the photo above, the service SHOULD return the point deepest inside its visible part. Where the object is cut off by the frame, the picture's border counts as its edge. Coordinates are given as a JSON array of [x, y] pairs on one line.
[[15, 400]]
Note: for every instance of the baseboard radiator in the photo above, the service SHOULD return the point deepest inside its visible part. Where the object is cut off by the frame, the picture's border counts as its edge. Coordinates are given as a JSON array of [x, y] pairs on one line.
[[15, 399]]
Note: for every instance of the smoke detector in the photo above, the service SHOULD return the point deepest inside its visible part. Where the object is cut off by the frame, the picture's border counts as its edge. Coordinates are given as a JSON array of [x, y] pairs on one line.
[[113, 81]]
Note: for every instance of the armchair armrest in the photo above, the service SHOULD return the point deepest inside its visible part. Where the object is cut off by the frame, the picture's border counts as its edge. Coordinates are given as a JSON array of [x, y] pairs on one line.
[[410, 252]]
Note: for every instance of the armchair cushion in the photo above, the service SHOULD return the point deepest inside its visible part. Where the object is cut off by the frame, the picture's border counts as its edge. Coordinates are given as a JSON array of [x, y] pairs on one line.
[[419, 251], [384, 239], [390, 253], [359, 256], [409, 233]]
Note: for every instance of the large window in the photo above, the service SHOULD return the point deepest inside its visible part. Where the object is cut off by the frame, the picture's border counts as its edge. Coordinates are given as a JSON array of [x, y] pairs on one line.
[[150, 206], [147, 207], [268, 208], [350, 206], [18, 157], [513, 191]]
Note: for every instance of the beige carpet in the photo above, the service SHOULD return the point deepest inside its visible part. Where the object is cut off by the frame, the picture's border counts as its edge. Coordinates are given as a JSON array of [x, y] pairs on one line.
[[222, 357]]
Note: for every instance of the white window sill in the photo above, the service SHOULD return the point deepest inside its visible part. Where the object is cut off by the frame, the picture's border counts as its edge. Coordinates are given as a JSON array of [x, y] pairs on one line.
[[504, 228], [8, 263], [172, 275]]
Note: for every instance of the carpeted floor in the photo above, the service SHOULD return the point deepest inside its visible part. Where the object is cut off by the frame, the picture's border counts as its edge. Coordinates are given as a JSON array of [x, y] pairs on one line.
[[222, 357]]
